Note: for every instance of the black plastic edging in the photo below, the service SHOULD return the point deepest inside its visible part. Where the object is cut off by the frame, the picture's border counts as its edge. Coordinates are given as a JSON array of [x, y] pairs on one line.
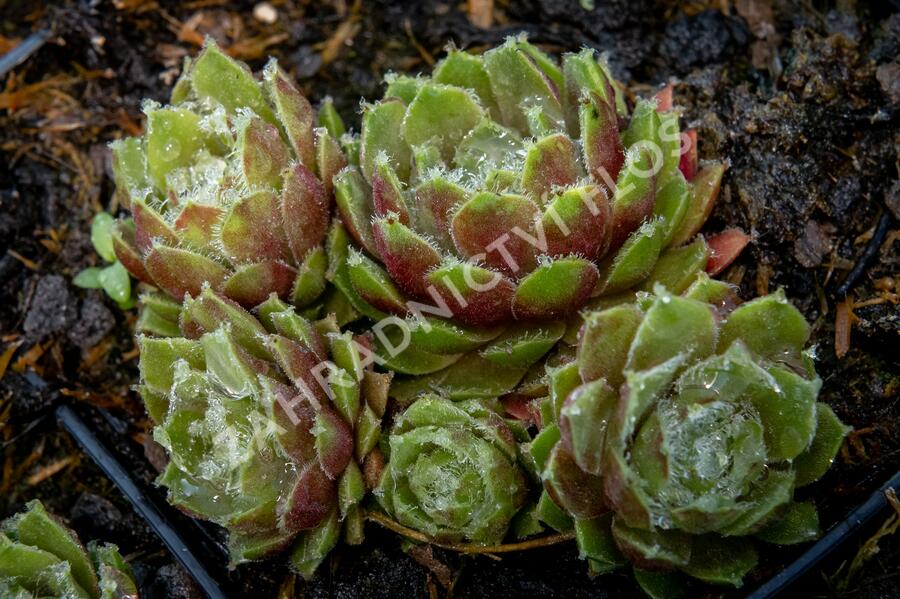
[[23, 51], [144, 506], [840, 532]]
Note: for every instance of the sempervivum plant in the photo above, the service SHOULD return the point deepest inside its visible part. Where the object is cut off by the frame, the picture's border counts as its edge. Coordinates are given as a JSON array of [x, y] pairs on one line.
[[453, 472], [696, 421], [266, 420], [505, 187], [41, 557], [229, 186]]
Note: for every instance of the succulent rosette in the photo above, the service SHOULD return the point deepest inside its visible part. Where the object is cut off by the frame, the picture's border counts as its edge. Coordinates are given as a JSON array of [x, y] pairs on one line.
[[41, 557], [266, 420], [453, 472], [501, 193], [691, 423], [230, 186]]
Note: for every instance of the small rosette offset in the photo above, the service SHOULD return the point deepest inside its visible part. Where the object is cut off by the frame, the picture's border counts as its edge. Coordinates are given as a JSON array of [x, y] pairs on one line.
[[453, 472]]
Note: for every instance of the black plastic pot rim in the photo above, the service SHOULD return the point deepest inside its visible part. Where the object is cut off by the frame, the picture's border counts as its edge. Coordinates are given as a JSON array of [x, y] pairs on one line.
[[144, 505], [159, 520]]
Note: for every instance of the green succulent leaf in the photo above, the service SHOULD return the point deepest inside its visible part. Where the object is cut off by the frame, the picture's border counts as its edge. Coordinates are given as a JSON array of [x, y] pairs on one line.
[[672, 326], [101, 236], [216, 76], [405, 357], [596, 543], [115, 282], [380, 124], [677, 268], [703, 194], [329, 118], [817, 458], [553, 289], [783, 338], [445, 113], [338, 251], [585, 418], [721, 561], [313, 546], [39, 556], [403, 87], [661, 585], [653, 548], [672, 203], [443, 336], [634, 261], [521, 346], [89, 278], [469, 376], [129, 166], [799, 524], [521, 75], [465, 70], [374, 284], [552, 515], [605, 341]]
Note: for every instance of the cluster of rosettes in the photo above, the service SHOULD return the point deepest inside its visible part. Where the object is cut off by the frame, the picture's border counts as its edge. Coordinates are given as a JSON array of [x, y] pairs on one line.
[[41, 557], [267, 420], [490, 202], [530, 234], [230, 186], [507, 188]]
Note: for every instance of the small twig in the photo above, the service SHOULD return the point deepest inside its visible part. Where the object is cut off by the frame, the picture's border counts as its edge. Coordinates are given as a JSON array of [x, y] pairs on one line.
[[891, 496], [843, 322], [481, 13], [415, 535], [48, 471], [425, 54], [878, 237], [870, 548]]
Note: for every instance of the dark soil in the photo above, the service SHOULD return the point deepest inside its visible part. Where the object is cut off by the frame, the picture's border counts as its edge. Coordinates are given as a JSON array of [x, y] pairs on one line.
[[800, 96]]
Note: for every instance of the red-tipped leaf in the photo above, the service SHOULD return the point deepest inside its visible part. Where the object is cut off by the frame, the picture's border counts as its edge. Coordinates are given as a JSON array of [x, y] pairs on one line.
[[304, 211], [724, 248], [489, 228], [252, 230], [407, 256]]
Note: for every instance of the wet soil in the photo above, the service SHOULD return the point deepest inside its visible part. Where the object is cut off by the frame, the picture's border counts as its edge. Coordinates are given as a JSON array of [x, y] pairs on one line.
[[800, 96]]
